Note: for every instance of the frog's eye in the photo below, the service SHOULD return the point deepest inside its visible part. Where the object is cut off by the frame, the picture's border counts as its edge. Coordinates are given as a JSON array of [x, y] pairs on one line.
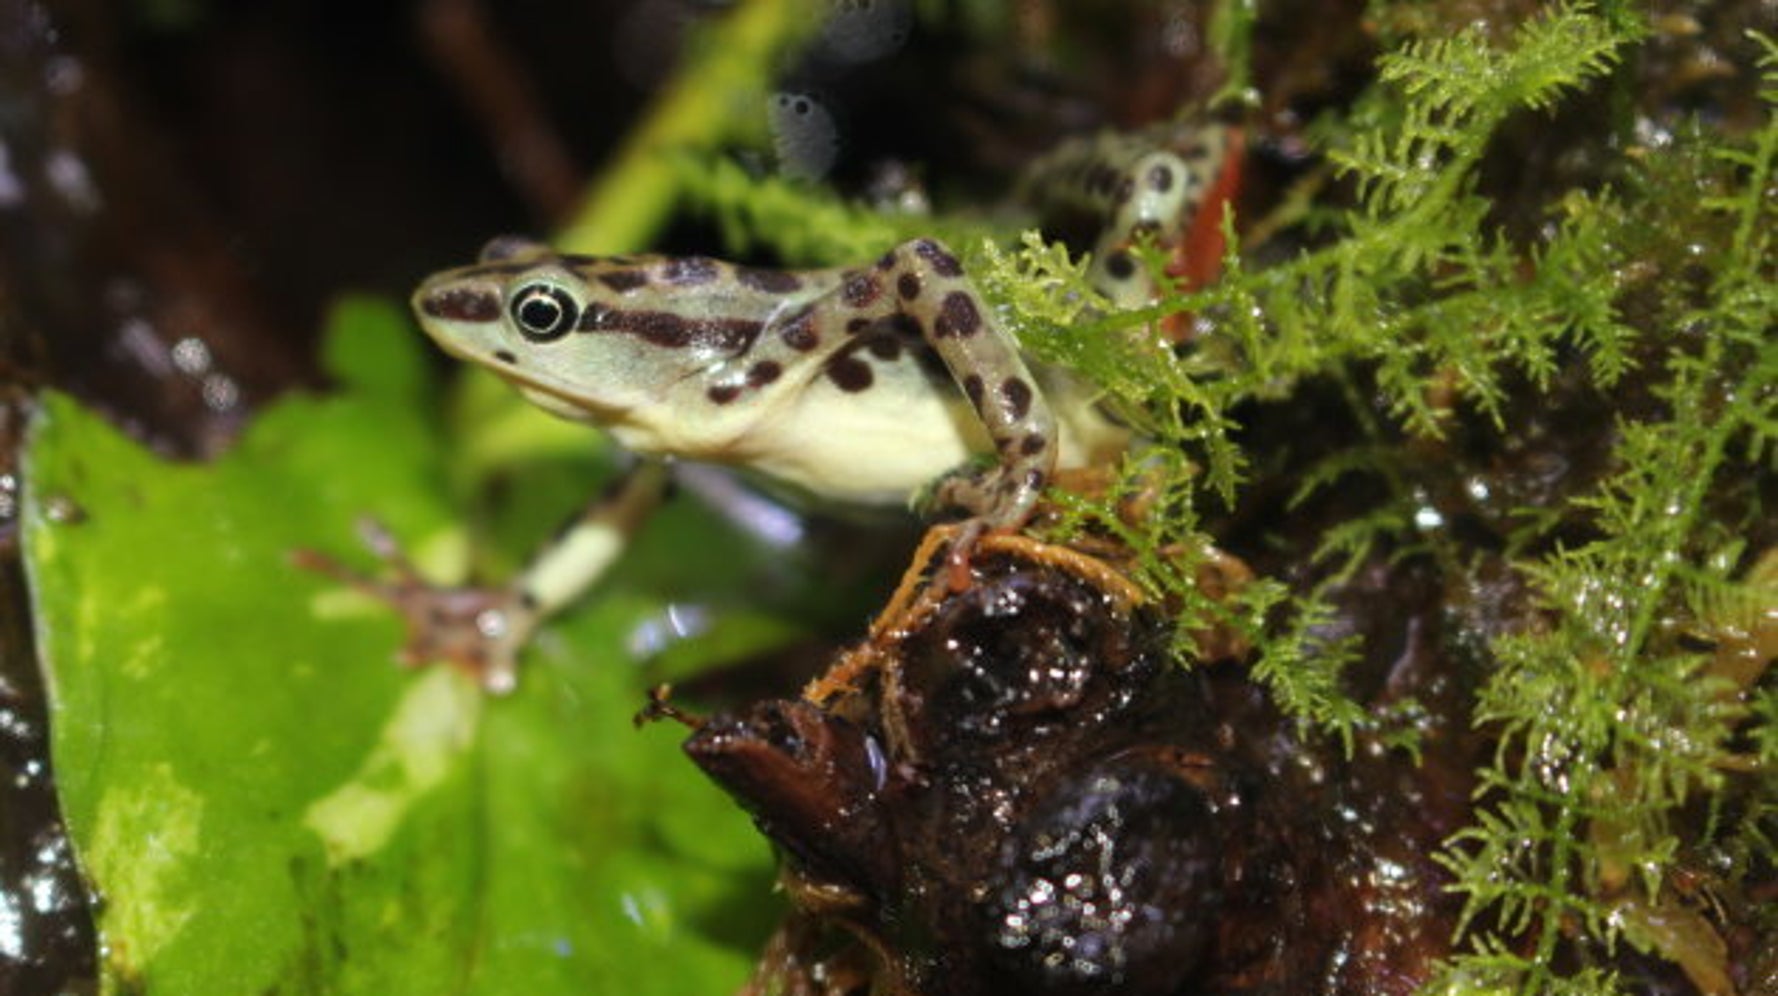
[[543, 312]]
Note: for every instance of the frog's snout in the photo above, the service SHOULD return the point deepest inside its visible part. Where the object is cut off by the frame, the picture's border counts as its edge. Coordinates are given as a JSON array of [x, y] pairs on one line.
[[464, 302]]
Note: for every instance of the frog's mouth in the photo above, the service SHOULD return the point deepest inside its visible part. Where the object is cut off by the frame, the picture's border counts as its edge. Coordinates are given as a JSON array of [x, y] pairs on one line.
[[564, 401], [559, 404], [551, 397], [472, 342]]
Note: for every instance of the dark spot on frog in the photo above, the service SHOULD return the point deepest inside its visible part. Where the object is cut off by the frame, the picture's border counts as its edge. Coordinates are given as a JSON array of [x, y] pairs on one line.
[[763, 373], [857, 325], [659, 328], [1119, 265], [886, 261], [506, 357], [859, 290], [850, 374], [622, 280], [1160, 178], [883, 347], [904, 325], [908, 286], [1033, 444], [799, 330], [734, 336], [689, 271], [933, 366], [1034, 480], [942, 262], [957, 316], [722, 394], [972, 389], [1126, 188], [769, 281], [1017, 395], [462, 304], [670, 331]]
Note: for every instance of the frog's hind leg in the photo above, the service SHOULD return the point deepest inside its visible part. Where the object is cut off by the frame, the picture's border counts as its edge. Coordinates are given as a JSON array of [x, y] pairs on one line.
[[482, 629], [586, 546], [925, 286]]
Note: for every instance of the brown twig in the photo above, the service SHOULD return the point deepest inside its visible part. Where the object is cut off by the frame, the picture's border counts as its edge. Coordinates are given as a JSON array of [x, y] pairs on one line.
[[497, 90]]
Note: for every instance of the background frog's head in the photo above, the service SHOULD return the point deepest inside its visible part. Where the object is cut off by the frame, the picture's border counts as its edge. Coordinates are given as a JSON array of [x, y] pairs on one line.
[[568, 331]]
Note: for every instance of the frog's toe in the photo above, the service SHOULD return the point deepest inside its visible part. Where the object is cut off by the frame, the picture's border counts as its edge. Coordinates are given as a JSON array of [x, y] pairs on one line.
[[957, 576], [477, 630], [972, 491]]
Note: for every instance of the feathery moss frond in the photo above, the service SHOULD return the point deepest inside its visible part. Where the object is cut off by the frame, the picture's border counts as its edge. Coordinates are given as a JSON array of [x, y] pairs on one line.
[[1613, 713], [1608, 724]]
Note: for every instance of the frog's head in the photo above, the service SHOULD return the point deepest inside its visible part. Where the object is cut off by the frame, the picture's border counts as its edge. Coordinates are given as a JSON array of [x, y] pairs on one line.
[[568, 331]]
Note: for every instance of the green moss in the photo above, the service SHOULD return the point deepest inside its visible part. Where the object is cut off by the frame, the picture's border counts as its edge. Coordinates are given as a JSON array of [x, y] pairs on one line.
[[1654, 284]]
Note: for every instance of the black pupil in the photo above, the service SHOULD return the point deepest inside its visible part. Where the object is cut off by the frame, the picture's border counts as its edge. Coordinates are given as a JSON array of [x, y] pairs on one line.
[[544, 312]]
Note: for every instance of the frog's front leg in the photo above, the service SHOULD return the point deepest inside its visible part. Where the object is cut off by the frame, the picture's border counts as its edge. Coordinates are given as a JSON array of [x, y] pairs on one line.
[[923, 283], [482, 629]]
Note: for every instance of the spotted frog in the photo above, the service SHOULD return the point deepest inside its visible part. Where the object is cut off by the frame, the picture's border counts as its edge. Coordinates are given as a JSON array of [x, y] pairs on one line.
[[860, 384]]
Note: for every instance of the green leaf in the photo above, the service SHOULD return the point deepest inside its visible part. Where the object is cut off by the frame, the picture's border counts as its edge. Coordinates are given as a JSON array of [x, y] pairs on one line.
[[265, 803]]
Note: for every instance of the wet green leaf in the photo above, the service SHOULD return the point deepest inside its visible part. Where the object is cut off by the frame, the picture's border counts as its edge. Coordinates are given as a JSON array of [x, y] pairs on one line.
[[267, 804]]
